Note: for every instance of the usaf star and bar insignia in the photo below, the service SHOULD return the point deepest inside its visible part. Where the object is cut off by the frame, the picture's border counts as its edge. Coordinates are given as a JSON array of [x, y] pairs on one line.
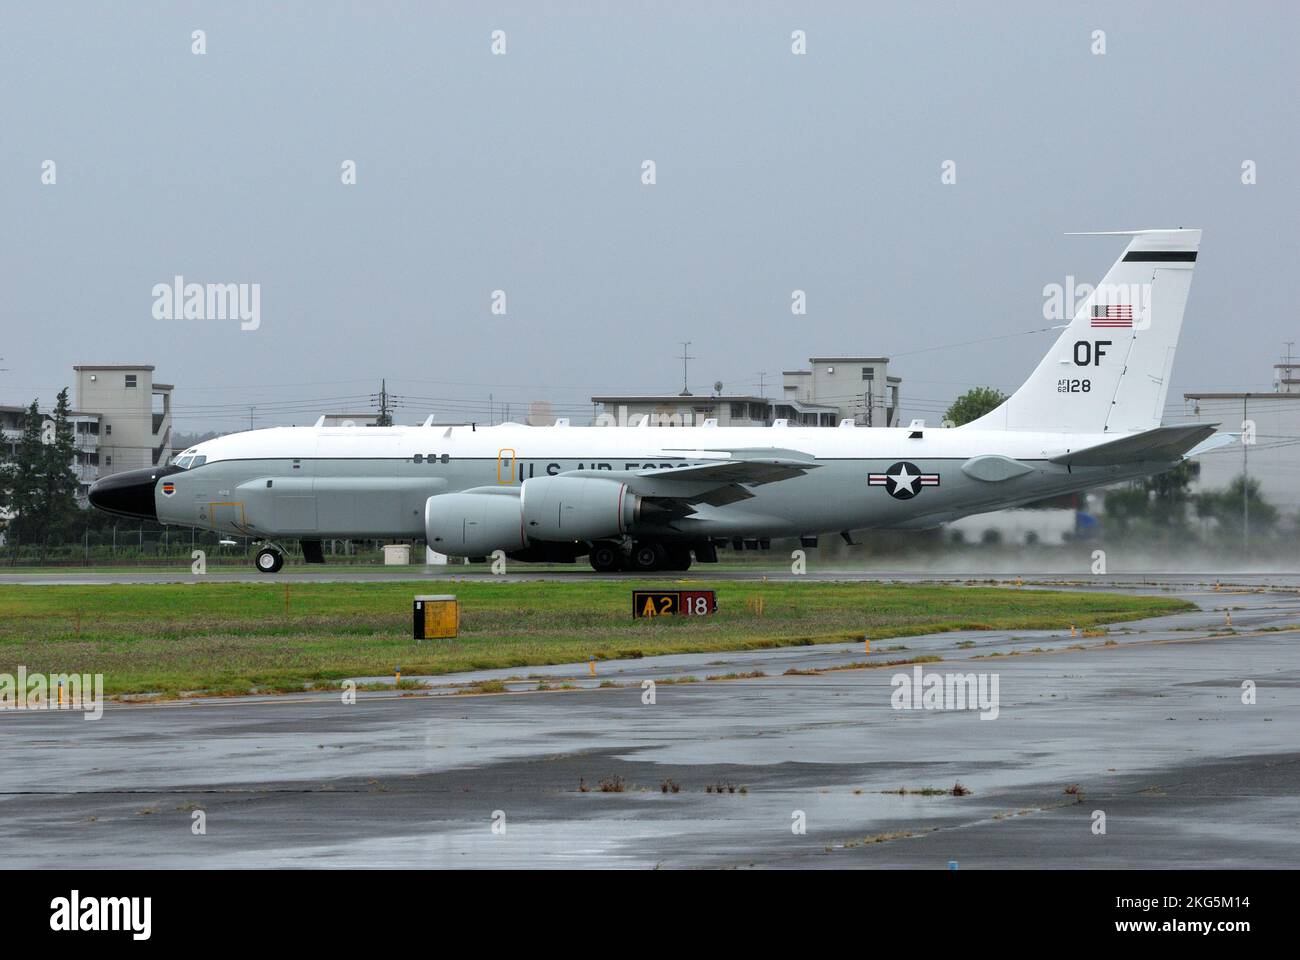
[[903, 480]]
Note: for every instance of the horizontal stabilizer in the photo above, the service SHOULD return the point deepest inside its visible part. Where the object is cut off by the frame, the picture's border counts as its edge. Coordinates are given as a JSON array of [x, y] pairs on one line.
[[1161, 445], [1213, 443]]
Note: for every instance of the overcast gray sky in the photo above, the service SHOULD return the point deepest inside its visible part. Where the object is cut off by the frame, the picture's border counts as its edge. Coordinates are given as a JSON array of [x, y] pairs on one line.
[[523, 173]]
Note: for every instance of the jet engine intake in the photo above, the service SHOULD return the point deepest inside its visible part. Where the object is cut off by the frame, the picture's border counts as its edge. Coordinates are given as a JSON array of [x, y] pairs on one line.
[[473, 524]]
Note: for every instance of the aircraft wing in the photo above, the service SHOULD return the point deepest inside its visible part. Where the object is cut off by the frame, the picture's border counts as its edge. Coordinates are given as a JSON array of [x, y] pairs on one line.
[[720, 480], [750, 466], [1162, 444]]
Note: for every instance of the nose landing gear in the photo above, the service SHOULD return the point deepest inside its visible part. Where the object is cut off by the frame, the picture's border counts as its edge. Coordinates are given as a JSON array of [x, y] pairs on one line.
[[269, 559]]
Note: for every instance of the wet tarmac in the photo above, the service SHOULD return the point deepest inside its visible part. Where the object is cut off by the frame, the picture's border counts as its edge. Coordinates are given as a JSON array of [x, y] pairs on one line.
[[1142, 732]]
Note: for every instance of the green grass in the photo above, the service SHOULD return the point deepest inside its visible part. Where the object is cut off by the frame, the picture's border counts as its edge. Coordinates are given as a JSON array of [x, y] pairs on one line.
[[238, 637]]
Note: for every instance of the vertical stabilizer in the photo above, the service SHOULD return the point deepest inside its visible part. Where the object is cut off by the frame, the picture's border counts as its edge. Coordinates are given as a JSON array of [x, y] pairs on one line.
[[1109, 370]]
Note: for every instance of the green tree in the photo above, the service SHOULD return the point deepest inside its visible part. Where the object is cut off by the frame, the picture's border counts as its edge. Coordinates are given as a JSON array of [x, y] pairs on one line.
[[5, 497], [23, 480], [1227, 508], [1156, 506], [973, 404], [59, 489]]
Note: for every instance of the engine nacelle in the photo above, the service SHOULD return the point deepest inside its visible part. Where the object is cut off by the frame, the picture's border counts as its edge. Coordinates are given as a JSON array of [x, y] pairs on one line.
[[473, 524], [577, 508]]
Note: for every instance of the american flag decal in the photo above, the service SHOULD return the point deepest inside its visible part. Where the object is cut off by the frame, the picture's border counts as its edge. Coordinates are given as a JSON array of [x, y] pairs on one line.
[[1113, 315]]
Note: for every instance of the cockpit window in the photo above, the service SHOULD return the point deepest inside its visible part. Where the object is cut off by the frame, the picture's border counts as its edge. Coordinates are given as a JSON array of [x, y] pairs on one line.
[[183, 462], [197, 462]]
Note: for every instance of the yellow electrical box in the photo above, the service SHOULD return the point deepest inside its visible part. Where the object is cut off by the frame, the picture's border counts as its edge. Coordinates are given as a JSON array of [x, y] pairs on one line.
[[436, 617]]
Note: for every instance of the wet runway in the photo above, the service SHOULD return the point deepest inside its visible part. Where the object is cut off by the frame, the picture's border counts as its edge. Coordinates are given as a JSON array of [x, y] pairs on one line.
[[1143, 730], [580, 572]]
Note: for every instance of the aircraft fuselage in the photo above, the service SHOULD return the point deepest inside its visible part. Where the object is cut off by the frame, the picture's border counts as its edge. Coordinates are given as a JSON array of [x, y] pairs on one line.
[[374, 482]]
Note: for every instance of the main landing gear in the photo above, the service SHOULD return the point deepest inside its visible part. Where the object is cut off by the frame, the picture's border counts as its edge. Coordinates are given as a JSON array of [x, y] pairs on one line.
[[641, 557], [606, 557]]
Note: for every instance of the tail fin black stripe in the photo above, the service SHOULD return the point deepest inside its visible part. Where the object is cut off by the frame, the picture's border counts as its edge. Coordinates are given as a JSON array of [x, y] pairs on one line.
[[1160, 256]]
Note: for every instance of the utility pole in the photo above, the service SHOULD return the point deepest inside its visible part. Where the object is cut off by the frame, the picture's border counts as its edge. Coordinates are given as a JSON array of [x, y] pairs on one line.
[[686, 390], [761, 375], [1245, 479], [250, 416], [385, 418]]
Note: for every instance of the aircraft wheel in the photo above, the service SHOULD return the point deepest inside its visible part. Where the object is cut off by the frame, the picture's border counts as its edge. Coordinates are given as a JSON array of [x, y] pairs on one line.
[[605, 557], [679, 558], [648, 556], [268, 560]]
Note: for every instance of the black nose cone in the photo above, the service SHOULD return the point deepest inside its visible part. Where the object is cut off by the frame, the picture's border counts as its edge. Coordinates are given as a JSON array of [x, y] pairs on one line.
[[130, 493]]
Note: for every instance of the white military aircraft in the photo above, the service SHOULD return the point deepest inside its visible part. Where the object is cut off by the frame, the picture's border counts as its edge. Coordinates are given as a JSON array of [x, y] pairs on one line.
[[652, 497]]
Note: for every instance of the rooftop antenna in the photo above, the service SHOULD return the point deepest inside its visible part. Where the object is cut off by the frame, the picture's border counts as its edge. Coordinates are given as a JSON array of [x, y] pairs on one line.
[[1283, 378], [686, 391]]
